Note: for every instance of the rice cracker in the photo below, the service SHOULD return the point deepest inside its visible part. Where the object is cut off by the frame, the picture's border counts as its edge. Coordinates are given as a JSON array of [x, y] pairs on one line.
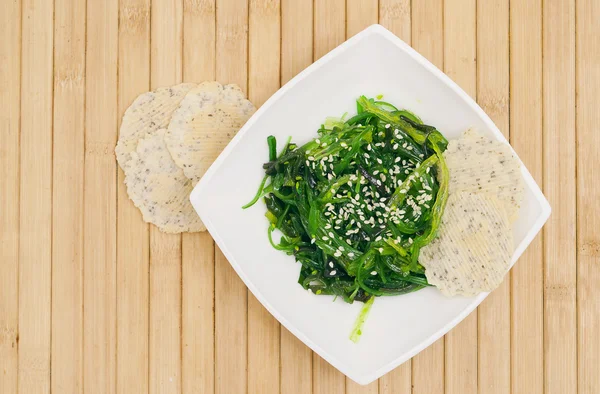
[[159, 188], [479, 164], [472, 251], [206, 120], [149, 112]]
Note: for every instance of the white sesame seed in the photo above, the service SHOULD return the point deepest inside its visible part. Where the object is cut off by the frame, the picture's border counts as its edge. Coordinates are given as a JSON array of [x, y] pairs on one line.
[[350, 254], [327, 213], [379, 161], [409, 148], [331, 264], [375, 172], [395, 147], [378, 238], [397, 159], [325, 238], [329, 177], [334, 271], [402, 191], [312, 241], [410, 241], [328, 226], [369, 147], [383, 177], [331, 234], [387, 126], [343, 144], [427, 170]]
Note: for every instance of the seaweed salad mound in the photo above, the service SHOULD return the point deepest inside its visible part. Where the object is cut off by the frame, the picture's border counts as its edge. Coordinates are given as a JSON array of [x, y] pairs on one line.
[[356, 204]]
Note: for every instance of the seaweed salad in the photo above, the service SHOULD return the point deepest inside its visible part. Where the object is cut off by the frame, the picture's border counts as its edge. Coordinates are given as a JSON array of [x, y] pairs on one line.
[[356, 204]]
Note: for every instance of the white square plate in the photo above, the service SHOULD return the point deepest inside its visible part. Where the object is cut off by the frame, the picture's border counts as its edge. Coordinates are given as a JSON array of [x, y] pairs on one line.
[[371, 63]]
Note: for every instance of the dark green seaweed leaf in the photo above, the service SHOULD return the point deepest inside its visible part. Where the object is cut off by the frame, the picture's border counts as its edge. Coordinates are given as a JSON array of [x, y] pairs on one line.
[[356, 205]]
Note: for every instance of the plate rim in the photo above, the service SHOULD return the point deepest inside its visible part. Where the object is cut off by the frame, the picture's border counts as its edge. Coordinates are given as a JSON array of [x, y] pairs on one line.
[[195, 197]]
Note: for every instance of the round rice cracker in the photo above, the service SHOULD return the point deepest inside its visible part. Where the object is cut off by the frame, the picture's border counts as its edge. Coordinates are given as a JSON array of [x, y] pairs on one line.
[[159, 188], [206, 120], [482, 165], [472, 251], [149, 112]]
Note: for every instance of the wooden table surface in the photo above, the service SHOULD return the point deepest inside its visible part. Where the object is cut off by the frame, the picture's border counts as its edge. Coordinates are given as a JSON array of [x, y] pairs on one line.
[[94, 300]]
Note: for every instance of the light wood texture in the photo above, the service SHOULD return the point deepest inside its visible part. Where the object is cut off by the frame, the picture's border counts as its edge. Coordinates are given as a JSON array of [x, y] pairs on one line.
[[35, 243], [329, 25], [197, 250], [493, 334], [263, 80], [231, 329], [360, 14], [588, 195], [460, 37], [559, 176], [94, 300], [165, 249], [427, 23], [67, 197], [132, 261], [100, 199], [527, 322], [10, 106]]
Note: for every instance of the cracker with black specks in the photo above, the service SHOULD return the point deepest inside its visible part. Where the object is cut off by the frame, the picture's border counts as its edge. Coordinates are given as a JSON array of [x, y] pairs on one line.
[[159, 188], [472, 251], [206, 120], [482, 165], [149, 112]]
